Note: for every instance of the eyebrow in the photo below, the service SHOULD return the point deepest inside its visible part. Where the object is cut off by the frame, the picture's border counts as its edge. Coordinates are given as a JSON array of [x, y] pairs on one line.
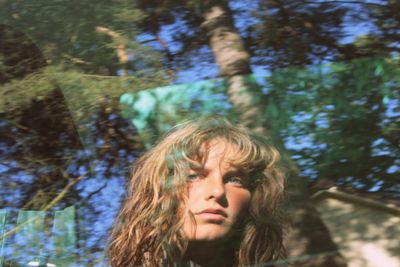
[[238, 172], [200, 167], [196, 166]]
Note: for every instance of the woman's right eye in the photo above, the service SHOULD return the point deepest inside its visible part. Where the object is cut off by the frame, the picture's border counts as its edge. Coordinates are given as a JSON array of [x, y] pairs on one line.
[[193, 177]]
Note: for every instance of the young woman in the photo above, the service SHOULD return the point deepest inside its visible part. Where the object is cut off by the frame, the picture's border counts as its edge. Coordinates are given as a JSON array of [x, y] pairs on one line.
[[206, 195]]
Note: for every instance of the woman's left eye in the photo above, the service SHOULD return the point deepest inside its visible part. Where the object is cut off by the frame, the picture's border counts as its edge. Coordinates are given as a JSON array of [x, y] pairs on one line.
[[235, 180]]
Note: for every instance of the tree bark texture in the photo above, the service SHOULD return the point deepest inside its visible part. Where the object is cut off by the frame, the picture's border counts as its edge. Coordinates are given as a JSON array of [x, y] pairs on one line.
[[308, 241], [234, 62]]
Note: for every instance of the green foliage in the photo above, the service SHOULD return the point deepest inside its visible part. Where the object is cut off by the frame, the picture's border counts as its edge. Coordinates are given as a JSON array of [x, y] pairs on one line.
[[65, 31], [83, 92], [60, 118], [334, 118], [277, 33], [153, 112], [340, 120], [18, 94]]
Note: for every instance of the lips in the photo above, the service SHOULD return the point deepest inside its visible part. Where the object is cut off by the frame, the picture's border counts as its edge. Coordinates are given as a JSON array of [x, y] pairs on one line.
[[213, 213]]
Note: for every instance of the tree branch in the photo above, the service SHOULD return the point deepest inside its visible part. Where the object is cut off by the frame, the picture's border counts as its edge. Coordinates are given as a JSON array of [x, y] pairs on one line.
[[121, 47]]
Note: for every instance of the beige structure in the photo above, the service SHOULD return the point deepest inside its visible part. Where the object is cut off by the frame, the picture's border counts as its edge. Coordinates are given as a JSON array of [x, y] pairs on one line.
[[366, 231]]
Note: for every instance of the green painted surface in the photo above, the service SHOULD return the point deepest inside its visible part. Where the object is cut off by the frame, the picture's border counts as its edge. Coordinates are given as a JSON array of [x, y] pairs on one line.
[[39, 237], [64, 237], [3, 214]]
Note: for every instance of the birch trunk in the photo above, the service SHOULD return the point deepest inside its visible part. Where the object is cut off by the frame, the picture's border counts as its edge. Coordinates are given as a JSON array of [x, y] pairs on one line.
[[308, 242], [234, 62]]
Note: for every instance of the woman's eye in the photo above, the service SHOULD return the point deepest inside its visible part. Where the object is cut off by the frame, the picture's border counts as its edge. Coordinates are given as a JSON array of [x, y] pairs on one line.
[[193, 177], [235, 180]]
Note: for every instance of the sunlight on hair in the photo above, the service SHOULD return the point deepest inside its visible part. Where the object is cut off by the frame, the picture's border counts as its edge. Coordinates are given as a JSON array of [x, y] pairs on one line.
[[152, 215]]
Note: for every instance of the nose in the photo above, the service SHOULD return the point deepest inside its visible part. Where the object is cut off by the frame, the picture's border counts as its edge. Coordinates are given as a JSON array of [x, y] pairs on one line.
[[216, 187]]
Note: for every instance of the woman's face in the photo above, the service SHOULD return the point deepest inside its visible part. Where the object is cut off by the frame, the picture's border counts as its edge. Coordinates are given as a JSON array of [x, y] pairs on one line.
[[217, 193]]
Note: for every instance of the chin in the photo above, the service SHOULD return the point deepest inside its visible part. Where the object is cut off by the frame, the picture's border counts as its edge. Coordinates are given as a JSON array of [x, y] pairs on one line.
[[212, 233]]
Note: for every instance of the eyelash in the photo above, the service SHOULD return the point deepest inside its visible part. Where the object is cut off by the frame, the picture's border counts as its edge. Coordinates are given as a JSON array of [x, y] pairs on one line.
[[193, 177], [235, 180]]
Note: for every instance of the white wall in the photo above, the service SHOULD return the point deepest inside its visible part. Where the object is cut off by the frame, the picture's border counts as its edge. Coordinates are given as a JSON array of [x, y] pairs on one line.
[[366, 236]]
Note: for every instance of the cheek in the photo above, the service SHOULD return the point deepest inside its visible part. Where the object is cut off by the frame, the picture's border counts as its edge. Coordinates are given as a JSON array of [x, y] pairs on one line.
[[240, 201], [194, 194]]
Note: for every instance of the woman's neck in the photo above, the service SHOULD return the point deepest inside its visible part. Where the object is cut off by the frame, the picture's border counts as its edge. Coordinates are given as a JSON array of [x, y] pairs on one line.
[[209, 255]]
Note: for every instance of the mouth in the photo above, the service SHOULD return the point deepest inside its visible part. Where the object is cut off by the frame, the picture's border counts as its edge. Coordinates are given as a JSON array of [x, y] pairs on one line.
[[213, 214]]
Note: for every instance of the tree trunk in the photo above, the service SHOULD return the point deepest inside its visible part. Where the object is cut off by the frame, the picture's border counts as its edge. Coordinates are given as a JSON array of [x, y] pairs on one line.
[[308, 241], [234, 62]]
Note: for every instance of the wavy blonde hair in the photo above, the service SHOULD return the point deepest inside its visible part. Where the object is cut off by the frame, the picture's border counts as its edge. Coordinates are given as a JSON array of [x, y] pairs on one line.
[[148, 229]]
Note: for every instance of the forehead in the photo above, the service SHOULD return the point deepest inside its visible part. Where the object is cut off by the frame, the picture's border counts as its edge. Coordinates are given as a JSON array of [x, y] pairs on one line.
[[220, 148], [242, 156], [219, 152]]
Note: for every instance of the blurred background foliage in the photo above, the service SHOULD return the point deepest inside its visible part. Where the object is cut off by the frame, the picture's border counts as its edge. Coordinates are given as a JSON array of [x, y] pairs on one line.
[[338, 120], [328, 72]]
